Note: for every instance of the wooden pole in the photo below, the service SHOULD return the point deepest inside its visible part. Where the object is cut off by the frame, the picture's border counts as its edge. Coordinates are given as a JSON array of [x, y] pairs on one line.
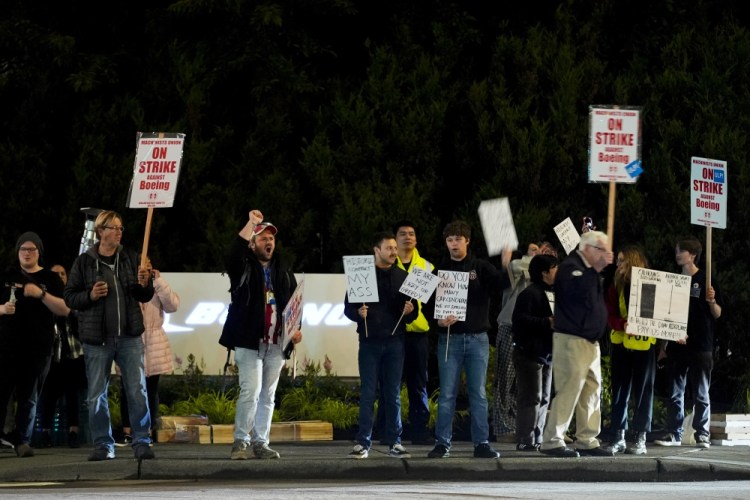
[[146, 235], [708, 257], [611, 215]]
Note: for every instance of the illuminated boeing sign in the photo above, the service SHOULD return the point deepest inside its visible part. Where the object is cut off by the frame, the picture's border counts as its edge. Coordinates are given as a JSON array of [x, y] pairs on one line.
[[204, 299]]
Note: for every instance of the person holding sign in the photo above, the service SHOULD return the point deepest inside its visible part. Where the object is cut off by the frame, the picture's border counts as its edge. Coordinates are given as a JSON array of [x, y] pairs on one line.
[[464, 345], [381, 327], [580, 320], [106, 286], [261, 285], [633, 362], [416, 342], [692, 358]]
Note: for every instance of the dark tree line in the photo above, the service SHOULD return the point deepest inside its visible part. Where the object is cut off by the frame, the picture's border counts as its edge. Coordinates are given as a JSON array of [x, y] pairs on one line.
[[336, 117]]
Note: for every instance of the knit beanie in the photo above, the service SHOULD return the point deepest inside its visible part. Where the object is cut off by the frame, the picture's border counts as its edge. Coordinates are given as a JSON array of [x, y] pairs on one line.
[[32, 237]]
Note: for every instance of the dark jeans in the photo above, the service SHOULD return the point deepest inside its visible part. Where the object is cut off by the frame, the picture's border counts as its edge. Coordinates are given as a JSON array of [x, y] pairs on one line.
[[24, 373], [380, 359], [67, 379], [416, 356], [533, 384], [632, 372]]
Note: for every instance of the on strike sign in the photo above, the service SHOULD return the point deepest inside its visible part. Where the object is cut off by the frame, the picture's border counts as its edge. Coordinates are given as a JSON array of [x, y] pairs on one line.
[[156, 170], [708, 193], [615, 149]]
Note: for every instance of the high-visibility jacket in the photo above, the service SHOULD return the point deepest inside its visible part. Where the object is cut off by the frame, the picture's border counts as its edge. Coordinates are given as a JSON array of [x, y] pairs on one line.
[[420, 324]]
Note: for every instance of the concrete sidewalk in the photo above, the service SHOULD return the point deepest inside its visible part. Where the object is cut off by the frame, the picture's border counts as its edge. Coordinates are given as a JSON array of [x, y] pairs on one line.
[[327, 460]]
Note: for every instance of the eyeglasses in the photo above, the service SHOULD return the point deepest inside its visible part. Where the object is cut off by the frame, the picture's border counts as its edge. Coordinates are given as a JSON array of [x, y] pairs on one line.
[[28, 249], [115, 228]]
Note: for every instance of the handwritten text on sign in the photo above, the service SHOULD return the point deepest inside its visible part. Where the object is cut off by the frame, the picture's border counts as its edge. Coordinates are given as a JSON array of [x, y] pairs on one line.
[[451, 295], [419, 284], [360, 278], [659, 304]]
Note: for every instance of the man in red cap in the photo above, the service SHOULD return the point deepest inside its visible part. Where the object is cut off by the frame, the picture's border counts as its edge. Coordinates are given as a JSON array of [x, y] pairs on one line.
[[261, 285]]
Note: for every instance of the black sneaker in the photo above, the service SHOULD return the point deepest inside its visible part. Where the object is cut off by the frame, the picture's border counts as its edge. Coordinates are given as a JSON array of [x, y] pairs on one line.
[[527, 447], [73, 440], [600, 451], [45, 440], [560, 452], [484, 450], [439, 451], [142, 451], [126, 440], [100, 454]]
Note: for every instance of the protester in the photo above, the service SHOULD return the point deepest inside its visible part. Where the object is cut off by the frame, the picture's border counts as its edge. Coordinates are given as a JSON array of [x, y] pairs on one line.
[[31, 298], [381, 327], [468, 349], [691, 360], [261, 286], [533, 320], [580, 319], [416, 342], [66, 379], [106, 286], [158, 358], [633, 360]]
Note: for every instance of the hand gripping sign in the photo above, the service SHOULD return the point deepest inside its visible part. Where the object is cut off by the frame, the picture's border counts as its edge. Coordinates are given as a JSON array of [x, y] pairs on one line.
[[419, 284]]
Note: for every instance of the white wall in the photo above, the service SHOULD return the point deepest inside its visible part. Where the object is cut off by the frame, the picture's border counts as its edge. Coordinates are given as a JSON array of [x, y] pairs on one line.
[[195, 328]]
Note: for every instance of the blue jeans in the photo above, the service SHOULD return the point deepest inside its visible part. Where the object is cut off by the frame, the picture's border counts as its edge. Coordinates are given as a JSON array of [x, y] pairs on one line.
[[127, 352], [380, 359], [469, 352], [695, 366], [259, 376]]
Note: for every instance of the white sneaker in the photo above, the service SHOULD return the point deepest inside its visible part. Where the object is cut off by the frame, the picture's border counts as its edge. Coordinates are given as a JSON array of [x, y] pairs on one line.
[[702, 441], [668, 440], [398, 451], [358, 451]]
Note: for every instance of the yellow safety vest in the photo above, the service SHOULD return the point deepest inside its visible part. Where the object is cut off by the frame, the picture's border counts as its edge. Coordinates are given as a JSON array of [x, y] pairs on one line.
[[633, 342]]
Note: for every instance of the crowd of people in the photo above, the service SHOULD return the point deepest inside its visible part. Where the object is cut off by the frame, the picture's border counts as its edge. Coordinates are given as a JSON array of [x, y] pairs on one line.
[[63, 334]]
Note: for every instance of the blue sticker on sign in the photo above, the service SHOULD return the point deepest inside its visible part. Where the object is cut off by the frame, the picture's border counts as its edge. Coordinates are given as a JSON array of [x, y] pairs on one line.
[[634, 168], [719, 176]]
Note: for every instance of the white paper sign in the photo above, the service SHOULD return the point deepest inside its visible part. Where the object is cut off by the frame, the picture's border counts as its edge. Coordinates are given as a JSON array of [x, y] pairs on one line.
[[568, 235], [615, 148], [419, 284], [497, 226], [659, 304], [361, 284], [451, 294], [708, 193], [157, 168]]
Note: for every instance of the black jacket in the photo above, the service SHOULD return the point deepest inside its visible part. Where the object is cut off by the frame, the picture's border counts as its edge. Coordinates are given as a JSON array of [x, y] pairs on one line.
[[532, 332], [246, 318], [383, 316], [485, 281], [91, 315]]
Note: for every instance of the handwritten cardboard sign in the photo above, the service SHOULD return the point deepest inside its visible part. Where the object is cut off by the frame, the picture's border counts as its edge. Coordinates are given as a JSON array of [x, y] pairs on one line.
[[451, 295], [361, 284], [420, 284], [659, 304]]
